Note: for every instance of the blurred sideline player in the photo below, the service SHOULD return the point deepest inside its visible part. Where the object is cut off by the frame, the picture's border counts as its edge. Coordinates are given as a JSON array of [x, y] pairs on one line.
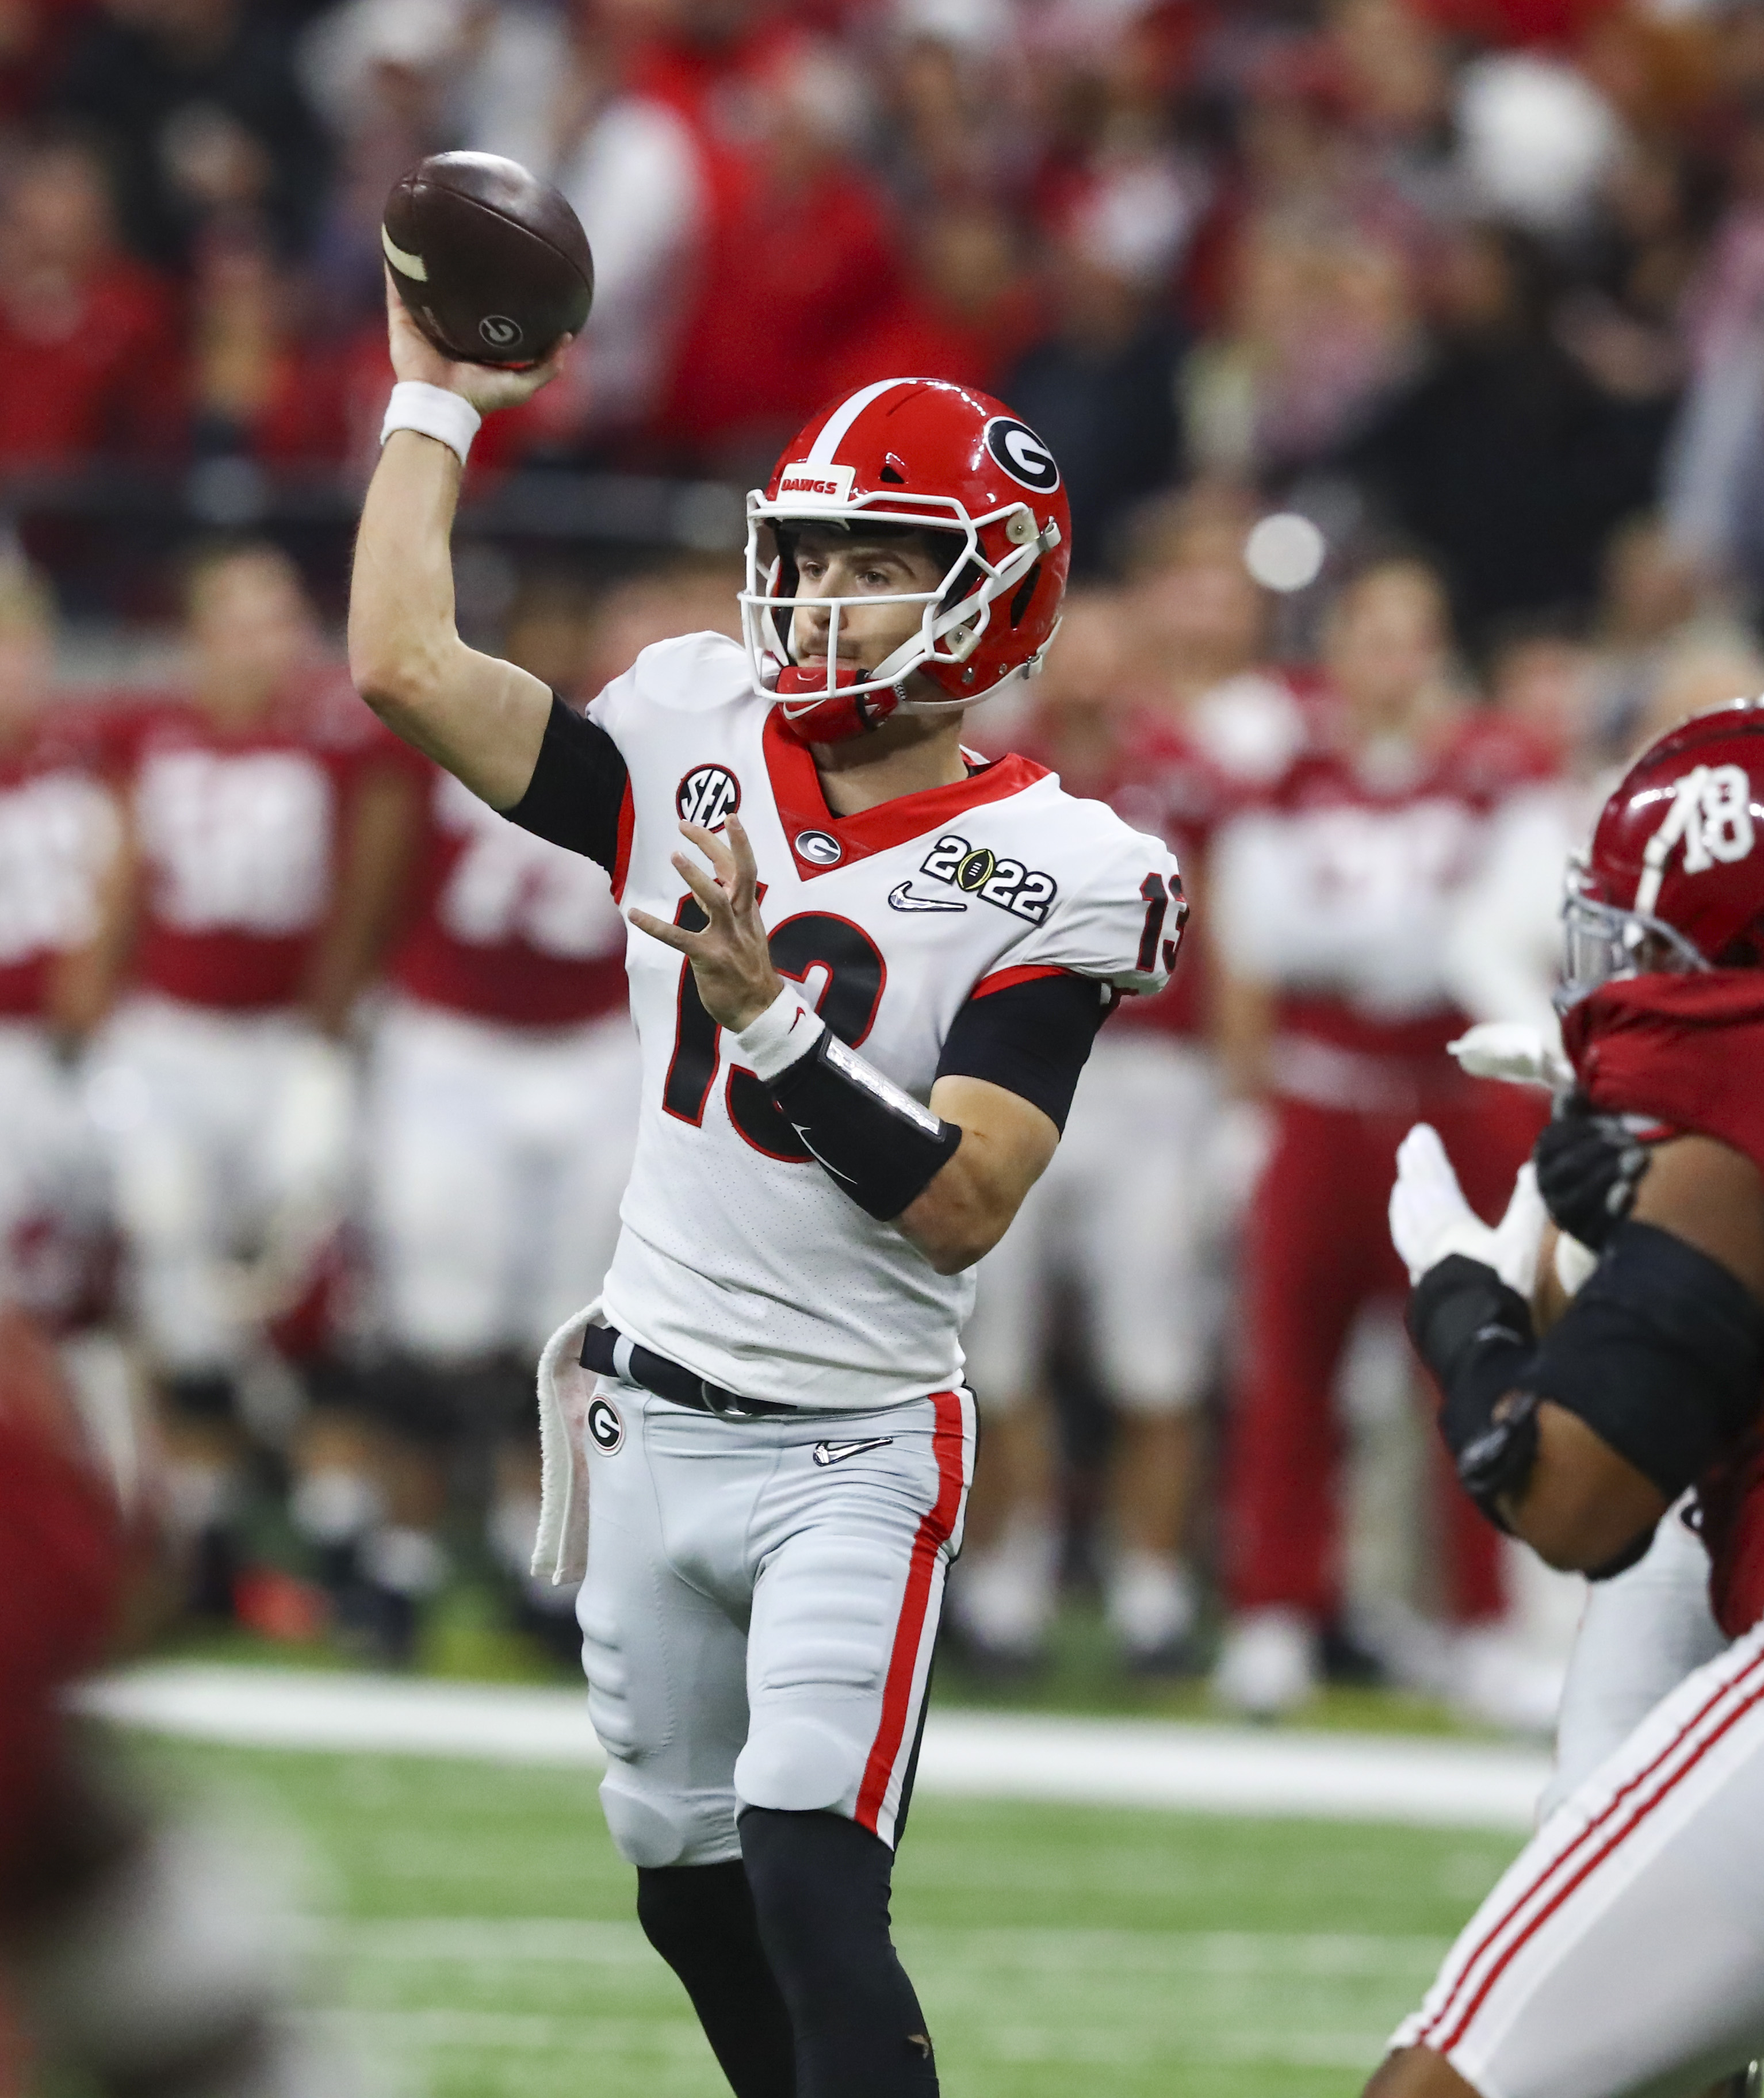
[[58, 834], [139, 1951], [501, 1115], [264, 826], [1619, 1954], [1330, 904], [765, 1411], [1127, 1211]]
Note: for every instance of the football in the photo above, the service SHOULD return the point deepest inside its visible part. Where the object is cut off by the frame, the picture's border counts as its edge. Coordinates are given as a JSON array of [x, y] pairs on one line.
[[491, 263]]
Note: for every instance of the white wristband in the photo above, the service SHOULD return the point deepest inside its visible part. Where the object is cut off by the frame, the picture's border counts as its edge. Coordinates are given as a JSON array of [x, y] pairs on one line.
[[434, 412], [783, 1033]]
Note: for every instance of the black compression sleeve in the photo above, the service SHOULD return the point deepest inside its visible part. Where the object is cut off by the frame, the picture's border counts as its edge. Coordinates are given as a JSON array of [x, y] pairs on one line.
[[1661, 1355], [1033, 1038], [577, 792]]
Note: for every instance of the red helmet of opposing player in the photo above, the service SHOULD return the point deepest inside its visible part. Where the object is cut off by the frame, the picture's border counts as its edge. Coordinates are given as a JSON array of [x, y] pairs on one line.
[[1675, 879], [923, 455]]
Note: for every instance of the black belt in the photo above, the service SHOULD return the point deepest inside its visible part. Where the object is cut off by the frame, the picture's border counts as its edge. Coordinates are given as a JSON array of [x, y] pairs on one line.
[[603, 1347]]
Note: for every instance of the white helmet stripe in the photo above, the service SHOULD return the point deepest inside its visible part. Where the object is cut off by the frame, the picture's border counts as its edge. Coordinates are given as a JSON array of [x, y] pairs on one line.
[[834, 429]]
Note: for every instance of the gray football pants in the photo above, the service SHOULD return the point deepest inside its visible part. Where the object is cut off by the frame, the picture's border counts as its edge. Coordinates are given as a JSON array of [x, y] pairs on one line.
[[761, 1604]]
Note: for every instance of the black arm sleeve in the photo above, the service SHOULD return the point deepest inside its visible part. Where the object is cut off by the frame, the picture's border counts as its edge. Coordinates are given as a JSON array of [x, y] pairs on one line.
[[577, 794], [1032, 1039]]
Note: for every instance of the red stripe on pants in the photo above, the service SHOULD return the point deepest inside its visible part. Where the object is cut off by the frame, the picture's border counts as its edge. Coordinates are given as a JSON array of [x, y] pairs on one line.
[[1749, 1681], [934, 1531]]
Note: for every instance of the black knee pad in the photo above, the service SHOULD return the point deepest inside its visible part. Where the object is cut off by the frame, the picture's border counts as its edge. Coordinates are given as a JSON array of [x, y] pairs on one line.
[[821, 1894], [699, 1918], [198, 1395]]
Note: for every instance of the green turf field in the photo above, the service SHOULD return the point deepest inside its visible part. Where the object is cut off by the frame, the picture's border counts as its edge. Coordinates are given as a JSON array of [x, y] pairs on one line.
[[480, 1931]]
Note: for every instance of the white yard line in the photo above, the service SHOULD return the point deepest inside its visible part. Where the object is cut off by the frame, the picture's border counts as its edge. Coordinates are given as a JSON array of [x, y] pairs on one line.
[[976, 1755]]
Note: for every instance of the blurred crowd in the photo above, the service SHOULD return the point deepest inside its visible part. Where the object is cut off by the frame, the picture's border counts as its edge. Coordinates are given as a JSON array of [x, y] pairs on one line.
[[1415, 258]]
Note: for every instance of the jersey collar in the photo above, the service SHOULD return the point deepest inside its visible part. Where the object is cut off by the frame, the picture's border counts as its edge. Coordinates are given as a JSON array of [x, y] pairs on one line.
[[803, 811]]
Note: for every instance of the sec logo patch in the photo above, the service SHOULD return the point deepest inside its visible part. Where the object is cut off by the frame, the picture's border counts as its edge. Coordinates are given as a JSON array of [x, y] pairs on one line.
[[709, 796], [605, 1428]]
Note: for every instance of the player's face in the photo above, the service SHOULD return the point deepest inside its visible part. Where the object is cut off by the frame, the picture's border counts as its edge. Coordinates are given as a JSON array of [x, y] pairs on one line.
[[830, 565], [251, 626]]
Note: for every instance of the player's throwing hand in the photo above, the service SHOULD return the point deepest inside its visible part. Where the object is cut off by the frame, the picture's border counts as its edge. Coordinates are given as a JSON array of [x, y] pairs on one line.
[[731, 962], [487, 387]]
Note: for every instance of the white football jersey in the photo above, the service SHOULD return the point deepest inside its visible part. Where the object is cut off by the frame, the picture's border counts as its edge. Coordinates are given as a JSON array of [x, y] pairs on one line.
[[738, 1256]]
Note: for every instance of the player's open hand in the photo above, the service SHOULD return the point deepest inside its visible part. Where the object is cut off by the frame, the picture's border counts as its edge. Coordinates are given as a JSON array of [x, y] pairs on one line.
[[731, 962], [488, 388]]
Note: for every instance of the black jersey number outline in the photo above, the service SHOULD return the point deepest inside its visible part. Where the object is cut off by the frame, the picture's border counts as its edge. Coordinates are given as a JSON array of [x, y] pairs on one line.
[[1158, 900], [855, 974]]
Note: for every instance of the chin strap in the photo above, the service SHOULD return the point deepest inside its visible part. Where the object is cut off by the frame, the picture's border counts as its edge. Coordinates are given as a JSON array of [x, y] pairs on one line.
[[835, 716]]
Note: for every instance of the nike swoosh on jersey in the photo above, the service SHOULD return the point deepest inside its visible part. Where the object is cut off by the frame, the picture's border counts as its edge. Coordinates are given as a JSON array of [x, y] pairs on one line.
[[901, 898], [836, 1452]]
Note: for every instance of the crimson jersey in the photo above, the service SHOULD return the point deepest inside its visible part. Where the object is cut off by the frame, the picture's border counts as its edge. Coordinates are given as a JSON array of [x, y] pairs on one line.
[[1335, 887], [58, 828], [1686, 1050], [507, 927], [240, 832]]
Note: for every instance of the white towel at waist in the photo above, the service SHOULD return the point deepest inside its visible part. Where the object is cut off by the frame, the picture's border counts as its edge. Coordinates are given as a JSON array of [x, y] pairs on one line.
[[560, 1551]]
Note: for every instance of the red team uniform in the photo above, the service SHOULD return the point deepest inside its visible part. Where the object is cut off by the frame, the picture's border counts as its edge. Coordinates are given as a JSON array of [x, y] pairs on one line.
[[227, 1113], [1335, 890], [504, 1096]]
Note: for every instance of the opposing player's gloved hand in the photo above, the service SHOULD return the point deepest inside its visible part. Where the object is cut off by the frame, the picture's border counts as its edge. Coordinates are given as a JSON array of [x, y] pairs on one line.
[[1430, 1220], [1588, 1166]]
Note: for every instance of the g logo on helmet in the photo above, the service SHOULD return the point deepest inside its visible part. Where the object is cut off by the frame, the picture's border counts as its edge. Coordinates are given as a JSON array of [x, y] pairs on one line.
[[1022, 455], [499, 332], [606, 1430]]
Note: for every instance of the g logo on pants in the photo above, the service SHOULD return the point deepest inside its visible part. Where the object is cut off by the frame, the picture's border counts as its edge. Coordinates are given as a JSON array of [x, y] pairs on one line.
[[605, 1428]]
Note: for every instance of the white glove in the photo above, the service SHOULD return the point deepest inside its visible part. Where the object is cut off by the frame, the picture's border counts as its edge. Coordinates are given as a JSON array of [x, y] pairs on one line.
[[1514, 1050], [1430, 1219]]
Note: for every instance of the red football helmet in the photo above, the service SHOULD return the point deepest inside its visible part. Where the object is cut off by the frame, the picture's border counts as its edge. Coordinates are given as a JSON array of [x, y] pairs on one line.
[[1675, 879], [920, 454]]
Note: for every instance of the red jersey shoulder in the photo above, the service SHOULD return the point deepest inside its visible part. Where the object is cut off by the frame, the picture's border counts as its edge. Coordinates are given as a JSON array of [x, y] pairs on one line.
[[1683, 1049]]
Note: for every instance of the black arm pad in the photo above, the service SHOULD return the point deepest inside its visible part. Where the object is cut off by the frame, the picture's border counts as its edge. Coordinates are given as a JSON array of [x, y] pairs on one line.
[[1661, 1355], [577, 793], [879, 1144]]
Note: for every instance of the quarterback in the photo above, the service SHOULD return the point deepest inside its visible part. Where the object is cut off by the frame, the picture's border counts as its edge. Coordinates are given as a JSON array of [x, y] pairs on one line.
[[1619, 1955], [866, 969]]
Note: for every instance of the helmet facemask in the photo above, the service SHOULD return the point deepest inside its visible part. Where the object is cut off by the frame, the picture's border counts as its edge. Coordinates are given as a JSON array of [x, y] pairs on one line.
[[954, 612], [1604, 943]]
